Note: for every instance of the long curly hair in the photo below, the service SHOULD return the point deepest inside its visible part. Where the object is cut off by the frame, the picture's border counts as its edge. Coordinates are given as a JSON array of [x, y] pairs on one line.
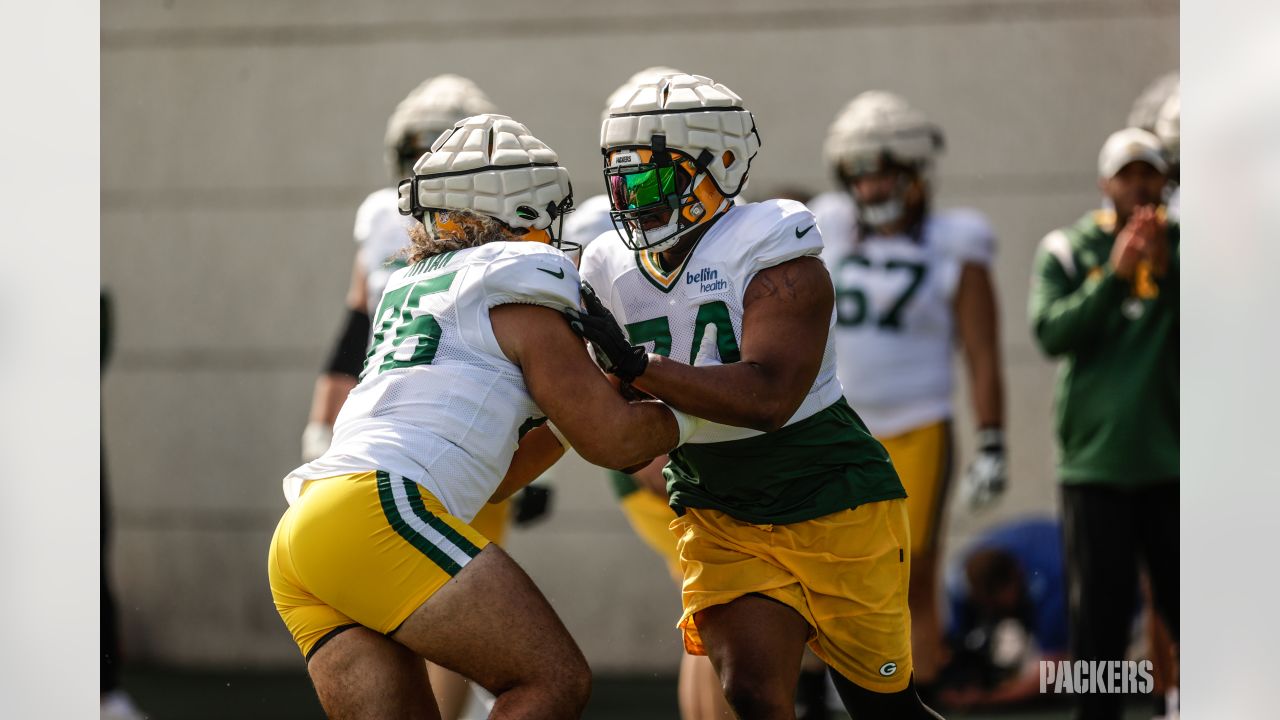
[[462, 229]]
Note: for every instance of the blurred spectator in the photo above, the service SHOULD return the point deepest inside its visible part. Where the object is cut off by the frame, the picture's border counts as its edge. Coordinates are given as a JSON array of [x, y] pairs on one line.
[[1146, 107], [913, 284], [1104, 299], [1008, 610], [116, 703]]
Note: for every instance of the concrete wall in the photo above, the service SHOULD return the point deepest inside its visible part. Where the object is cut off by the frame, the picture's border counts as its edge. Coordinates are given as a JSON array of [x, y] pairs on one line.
[[238, 137]]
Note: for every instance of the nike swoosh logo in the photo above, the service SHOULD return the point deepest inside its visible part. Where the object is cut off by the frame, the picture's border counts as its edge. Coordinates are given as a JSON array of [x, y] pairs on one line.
[[559, 274], [801, 233]]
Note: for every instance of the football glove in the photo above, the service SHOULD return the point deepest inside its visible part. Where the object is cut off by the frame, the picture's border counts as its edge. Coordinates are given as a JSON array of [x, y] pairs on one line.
[[984, 481], [532, 504], [614, 352], [316, 438]]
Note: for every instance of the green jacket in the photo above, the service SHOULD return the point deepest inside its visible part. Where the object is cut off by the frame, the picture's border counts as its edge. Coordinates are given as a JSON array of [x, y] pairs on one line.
[[1116, 401]]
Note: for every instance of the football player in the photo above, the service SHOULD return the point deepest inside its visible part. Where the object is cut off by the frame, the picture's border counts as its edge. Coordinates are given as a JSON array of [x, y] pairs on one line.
[[791, 524], [642, 495], [469, 351], [912, 282], [382, 239], [1168, 129]]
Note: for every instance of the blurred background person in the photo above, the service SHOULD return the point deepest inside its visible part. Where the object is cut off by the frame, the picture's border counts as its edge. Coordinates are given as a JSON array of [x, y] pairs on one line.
[[116, 702], [1169, 130], [1157, 109], [1007, 601], [912, 281], [1104, 300]]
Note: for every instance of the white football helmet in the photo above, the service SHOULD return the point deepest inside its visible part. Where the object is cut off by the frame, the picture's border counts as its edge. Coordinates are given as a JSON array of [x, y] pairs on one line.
[[1168, 126], [677, 150], [430, 109], [1146, 108], [626, 89], [491, 165], [876, 129]]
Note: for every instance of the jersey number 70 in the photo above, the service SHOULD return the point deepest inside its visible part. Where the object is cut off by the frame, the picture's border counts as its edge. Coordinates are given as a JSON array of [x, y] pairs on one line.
[[658, 330]]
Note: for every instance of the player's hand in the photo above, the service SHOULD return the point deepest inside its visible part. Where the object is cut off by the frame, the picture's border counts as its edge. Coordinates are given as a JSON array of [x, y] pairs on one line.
[[532, 504], [1158, 247], [709, 349], [315, 440], [1133, 242], [985, 479], [614, 352]]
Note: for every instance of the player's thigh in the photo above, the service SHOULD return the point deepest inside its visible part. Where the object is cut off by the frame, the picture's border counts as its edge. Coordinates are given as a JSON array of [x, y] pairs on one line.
[[364, 549], [363, 674], [493, 625], [923, 458], [756, 644], [855, 568]]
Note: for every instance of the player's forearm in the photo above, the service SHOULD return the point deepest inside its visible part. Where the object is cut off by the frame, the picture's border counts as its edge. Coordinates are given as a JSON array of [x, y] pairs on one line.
[[987, 390], [742, 394], [1063, 324], [978, 325], [330, 393], [619, 435], [538, 450]]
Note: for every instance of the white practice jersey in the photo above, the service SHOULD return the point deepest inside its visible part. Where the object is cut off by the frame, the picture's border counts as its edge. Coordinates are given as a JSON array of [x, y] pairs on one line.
[[894, 303], [694, 313], [438, 402], [382, 235]]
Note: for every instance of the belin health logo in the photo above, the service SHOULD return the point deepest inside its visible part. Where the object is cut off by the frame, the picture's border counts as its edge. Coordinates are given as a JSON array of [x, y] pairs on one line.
[[706, 279]]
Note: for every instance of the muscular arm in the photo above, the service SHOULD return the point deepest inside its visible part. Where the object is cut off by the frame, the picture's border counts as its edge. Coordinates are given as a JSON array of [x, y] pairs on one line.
[[785, 319], [538, 450], [977, 324], [604, 428]]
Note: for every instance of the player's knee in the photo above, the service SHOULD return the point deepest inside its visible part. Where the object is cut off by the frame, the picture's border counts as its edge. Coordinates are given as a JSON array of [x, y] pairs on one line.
[[752, 698], [577, 686], [568, 678]]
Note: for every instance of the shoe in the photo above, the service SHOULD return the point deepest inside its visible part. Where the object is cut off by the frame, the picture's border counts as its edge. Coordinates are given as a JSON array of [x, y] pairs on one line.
[[117, 705]]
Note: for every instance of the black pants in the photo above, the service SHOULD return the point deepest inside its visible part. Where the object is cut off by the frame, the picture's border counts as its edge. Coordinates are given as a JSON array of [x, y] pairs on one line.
[[107, 610], [1109, 534]]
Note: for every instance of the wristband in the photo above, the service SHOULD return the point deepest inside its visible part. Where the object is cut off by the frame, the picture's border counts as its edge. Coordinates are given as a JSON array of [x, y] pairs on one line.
[[991, 438], [559, 435], [686, 425]]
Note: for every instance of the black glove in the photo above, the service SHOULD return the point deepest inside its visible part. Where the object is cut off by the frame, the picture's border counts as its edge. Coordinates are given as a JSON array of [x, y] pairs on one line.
[[614, 352], [532, 504]]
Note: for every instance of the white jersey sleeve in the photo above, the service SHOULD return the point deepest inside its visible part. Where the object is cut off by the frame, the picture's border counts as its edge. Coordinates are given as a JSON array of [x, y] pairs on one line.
[[522, 273], [966, 236], [959, 237], [792, 233], [382, 235], [532, 274]]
